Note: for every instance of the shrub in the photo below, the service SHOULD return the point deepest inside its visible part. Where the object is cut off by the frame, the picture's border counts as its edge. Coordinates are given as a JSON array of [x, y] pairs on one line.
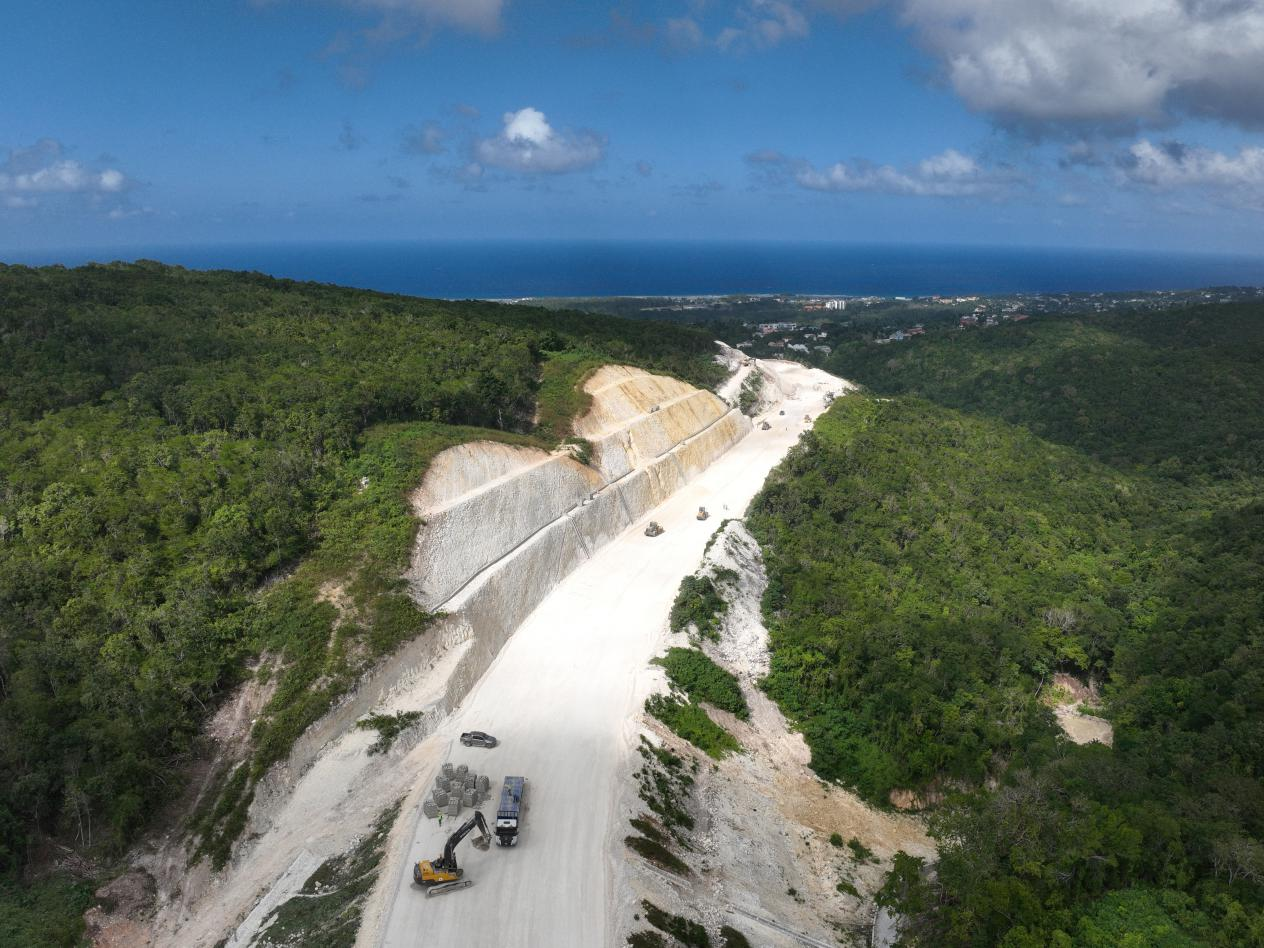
[[691, 723], [703, 680]]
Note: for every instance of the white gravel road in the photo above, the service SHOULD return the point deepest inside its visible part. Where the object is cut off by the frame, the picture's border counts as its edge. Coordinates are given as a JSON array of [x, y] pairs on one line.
[[563, 697]]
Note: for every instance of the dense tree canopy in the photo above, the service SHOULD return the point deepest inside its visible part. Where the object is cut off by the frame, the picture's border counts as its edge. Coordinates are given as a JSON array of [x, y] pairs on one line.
[[186, 459], [1073, 495]]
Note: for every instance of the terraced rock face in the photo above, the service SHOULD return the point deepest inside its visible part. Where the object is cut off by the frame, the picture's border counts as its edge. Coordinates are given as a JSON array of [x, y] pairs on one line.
[[485, 505]]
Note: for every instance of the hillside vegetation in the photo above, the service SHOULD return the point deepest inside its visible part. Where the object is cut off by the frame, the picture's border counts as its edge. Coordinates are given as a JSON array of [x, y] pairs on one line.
[[205, 469], [1076, 496]]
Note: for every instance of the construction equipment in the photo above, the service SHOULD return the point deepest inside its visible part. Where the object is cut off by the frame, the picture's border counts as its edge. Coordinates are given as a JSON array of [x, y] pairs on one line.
[[764, 426], [509, 813], [653, 529], [443, 874], [702, 513]]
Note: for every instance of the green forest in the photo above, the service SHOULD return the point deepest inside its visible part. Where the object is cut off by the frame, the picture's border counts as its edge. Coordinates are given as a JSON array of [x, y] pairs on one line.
[[1077, 495], [186, 459]]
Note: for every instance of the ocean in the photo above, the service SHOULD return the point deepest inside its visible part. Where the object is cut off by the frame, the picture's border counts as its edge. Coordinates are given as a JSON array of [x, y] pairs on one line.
[[511, 269]]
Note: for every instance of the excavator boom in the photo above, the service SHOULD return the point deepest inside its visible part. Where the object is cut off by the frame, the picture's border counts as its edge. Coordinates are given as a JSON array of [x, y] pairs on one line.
[[443, 874]]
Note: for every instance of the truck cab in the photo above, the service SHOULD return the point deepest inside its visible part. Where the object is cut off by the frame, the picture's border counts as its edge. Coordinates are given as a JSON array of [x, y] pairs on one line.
[[509, 811]]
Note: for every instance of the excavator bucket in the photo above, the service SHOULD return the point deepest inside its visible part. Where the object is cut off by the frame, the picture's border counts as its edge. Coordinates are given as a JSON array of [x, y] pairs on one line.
[[481, 842]]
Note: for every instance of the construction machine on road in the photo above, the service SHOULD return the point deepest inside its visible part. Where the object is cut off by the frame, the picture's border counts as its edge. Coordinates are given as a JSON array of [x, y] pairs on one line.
[[702, 513], [443, 874], [654, 529]]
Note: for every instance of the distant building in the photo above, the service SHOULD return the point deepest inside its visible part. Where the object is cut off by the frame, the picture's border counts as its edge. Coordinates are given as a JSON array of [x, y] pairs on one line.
[[797, 347], [766, 328], [918, 330], [836, 304]]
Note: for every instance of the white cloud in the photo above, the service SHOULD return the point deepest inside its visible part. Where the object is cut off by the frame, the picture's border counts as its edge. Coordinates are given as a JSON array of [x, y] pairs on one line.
[[763, 23], [478, 16], [756, 24], [43, 170], [948, 174], [1099, 61], [1172, 165], [529, 144]]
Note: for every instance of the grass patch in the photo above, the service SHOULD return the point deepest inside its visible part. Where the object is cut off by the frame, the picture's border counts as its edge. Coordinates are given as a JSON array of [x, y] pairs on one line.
[[748, 395], [691, 723], [703, 680], [858, 849], [847, 888], [665, 788], [647, 828], [655, 852], [561, 397], [326, 911], [388, 727], [679, 927], [730, 937], [646, 939]]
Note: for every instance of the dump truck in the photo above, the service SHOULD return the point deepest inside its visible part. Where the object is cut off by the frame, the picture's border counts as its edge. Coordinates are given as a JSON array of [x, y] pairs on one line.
[[509, 812], [443, 874]]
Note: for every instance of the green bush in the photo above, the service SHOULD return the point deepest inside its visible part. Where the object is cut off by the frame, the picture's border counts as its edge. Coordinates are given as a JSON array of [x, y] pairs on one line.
[[691, 723], [700, 604], [679, 927], [703, 680]]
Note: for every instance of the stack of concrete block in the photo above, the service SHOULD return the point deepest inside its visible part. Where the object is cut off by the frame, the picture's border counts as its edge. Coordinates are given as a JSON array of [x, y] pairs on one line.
[[449, 771], [484, 784], [469, 798], [440, 797], [430, 808], [454, 806]]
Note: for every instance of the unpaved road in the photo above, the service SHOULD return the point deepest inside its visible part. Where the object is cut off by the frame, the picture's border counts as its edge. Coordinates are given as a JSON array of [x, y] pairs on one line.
[[563, 697]]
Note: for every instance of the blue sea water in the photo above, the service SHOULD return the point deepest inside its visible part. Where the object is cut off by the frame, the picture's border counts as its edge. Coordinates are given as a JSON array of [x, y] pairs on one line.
[[503, 269]]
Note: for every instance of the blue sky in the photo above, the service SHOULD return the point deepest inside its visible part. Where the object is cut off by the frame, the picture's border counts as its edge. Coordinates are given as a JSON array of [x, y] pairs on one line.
[[1138, 123]]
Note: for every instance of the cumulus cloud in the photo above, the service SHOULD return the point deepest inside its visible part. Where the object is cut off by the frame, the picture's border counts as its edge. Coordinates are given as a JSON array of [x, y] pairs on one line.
[[1171, 165], [41, 171], [948, 174], [529, 144], [1052, 62]]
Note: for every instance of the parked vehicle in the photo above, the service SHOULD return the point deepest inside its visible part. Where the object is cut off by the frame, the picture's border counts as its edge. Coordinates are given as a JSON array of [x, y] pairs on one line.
[[509, 813], [478, 739]]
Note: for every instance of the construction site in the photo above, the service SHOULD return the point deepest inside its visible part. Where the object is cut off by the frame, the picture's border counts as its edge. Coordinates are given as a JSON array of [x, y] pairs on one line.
[[553, 597]]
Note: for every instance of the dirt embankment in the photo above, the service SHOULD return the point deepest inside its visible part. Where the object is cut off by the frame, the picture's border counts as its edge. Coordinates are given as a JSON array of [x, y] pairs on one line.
[[763, 859]]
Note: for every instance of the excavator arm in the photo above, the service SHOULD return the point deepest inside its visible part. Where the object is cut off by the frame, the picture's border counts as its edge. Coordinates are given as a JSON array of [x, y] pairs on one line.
[[447, 861]]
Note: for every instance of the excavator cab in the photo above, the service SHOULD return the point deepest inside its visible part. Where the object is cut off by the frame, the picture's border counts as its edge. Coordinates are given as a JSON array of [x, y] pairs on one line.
[[443, 874]]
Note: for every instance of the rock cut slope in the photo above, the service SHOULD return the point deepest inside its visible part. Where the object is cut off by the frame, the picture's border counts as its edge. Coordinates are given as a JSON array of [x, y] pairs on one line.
[[564, 692]]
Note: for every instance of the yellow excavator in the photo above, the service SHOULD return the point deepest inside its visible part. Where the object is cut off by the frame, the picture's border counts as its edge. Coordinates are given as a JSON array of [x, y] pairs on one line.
[[443, 874]]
